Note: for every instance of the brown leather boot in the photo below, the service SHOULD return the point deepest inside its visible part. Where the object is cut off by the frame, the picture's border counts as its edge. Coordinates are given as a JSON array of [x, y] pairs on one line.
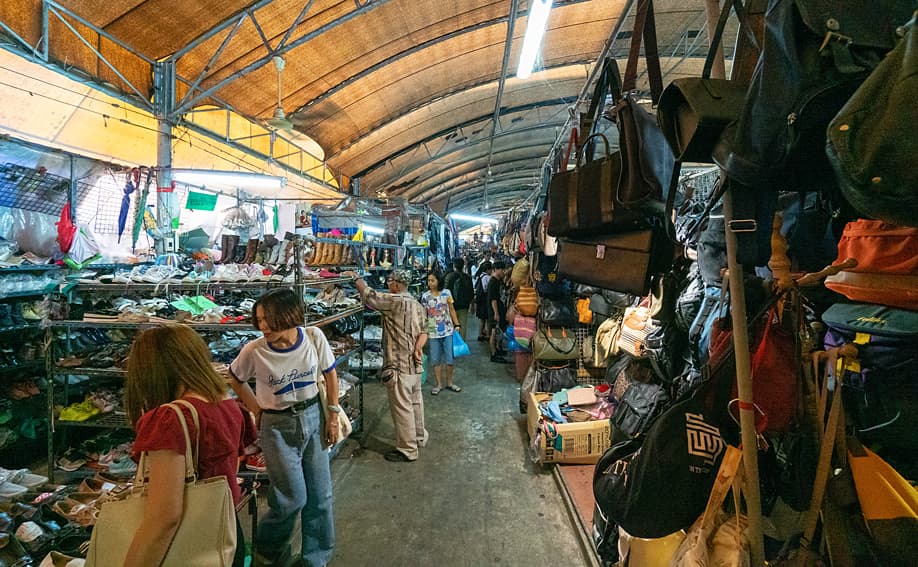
[[250, 249], [228, 245]]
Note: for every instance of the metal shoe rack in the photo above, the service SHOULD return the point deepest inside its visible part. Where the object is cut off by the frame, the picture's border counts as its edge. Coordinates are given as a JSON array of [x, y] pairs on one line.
[[353, 400], [15, 331]]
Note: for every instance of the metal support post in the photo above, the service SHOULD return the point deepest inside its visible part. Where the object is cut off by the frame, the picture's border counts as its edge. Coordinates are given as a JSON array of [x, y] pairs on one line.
[[744, 389], [163, 103]]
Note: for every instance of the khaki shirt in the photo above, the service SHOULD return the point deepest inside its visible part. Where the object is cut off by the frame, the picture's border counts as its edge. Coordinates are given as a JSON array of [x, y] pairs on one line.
[[403, 320]]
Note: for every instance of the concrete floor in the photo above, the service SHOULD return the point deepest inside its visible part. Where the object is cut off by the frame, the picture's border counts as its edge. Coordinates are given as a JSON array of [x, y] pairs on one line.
[[473, 498]]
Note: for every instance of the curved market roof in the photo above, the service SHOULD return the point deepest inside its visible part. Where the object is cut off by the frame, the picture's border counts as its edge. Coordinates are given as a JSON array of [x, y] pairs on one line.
[[401, 94]]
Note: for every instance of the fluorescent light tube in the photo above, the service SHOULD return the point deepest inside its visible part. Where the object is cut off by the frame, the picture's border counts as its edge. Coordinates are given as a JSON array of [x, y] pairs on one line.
[[242, 179], [473, 218], [368, 228], [532, 41]]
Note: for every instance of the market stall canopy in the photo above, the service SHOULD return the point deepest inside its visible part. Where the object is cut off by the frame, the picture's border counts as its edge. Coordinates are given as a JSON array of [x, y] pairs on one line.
[[405, 95]]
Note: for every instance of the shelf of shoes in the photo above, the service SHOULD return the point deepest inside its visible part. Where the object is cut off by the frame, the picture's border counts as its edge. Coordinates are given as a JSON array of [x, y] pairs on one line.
[[112, 420], [358, 243], [197, 326], [199, 286]]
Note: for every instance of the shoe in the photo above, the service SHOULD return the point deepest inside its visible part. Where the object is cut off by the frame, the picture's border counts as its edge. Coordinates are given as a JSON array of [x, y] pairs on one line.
[[435, 391], [499, 359], [396, 456], [256, 463], [454, 388]]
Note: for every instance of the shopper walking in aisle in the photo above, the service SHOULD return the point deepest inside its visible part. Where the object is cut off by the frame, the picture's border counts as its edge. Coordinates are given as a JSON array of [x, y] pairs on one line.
[[498, 312], [442, 322], [166, 364], [459, 283], [404, 336], [482, 309], [285, 363]]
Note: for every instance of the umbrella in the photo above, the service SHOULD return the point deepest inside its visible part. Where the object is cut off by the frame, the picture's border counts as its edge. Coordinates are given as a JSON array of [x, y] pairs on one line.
[[129, 188], [140, 208]]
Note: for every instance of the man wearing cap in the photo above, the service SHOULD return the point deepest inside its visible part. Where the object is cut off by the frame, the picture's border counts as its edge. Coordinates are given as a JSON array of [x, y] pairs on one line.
[[404, 324]]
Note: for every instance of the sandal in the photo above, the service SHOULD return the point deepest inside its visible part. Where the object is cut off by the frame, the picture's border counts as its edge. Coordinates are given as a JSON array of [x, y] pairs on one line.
[[435, 391], [454, 388]]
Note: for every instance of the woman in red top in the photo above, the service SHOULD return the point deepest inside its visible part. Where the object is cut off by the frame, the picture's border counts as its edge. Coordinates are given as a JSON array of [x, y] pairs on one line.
[[165, 364]]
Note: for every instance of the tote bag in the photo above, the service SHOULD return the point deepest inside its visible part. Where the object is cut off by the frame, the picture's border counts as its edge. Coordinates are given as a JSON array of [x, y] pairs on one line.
[[205, 538]]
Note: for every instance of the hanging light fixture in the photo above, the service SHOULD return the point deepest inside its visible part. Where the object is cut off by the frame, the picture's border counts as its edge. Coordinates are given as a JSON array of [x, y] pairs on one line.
[[472, 218], [532, 41]]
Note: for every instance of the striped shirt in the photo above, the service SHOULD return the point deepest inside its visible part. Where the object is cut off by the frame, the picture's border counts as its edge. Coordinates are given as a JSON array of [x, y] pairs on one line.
[[403, 320]]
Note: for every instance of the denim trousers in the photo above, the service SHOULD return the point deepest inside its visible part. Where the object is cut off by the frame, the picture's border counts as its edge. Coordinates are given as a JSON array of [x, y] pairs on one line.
[[300, 478]]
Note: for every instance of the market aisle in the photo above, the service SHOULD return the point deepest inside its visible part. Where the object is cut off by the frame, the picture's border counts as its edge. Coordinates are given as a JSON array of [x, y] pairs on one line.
[[472, 498]]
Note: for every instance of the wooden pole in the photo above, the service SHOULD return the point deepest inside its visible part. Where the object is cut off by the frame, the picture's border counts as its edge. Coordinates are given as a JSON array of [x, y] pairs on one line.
[[712, 14], [744, 389]]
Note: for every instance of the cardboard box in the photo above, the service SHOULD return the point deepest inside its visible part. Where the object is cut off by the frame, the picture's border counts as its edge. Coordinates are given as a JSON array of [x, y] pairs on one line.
[[580, 443]]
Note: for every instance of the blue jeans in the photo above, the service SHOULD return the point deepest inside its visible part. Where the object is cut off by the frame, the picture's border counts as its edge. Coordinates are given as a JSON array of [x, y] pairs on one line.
[[441, 351], [300, 484]]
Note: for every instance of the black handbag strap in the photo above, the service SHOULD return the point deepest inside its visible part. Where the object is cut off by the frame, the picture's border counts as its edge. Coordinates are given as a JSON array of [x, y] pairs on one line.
[[714, 48], [645, 28]]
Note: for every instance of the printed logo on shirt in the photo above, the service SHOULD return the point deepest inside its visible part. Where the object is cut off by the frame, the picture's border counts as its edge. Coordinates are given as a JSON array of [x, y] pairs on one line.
[[292, 381]]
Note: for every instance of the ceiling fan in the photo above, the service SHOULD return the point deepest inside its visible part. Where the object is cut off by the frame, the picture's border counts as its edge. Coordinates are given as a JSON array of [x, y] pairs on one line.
[[279, 121]]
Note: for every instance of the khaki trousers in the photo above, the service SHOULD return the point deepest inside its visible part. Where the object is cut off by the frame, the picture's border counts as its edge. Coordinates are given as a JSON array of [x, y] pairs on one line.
[[406, 404]]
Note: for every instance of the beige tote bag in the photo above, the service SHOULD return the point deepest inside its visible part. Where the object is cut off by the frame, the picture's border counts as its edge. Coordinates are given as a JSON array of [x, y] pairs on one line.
[[205, 538]]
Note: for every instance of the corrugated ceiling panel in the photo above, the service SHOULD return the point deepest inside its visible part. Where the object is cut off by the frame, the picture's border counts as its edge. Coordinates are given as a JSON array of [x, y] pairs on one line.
[[24, 18]]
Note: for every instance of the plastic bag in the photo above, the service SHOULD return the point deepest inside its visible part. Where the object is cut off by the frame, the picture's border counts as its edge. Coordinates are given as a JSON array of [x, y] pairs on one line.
[[459, 346]]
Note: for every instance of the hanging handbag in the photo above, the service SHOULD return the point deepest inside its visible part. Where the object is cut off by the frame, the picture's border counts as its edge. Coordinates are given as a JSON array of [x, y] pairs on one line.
[[647, 161], [527, 301], [555, 379], [606, 343], [557, 312], [887, 264], [622, 262], [557, 344], [206, 536], [695, 110], [871, 142], [584, 315], [658, 483], [636, 325], [523, 329], [698, 547]]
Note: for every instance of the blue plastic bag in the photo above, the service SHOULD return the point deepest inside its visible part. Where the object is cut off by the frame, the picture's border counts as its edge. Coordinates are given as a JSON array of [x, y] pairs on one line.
[[459, 346]]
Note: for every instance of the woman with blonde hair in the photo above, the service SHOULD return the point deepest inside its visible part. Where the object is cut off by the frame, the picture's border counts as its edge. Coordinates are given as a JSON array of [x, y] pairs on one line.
[[166, 364]]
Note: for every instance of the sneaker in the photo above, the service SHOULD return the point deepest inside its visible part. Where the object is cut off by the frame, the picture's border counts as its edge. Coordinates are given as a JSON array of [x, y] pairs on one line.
[[256, 463]]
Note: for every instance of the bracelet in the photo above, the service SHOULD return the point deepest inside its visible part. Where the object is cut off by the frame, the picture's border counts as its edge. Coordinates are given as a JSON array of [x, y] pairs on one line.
[[333, 408]]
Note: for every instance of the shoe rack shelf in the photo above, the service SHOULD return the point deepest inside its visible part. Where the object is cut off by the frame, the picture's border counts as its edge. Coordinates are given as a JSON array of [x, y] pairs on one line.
[[20, 369], [196, 326], [138, 287], [28, 268], [106, 421], [18, 328]]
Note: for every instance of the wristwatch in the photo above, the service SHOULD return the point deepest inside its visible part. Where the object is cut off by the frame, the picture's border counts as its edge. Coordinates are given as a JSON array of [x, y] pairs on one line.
[[334, 408]]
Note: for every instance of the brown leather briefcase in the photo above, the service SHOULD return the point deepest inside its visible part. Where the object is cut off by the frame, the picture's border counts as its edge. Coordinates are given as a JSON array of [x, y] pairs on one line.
[[620, 262]]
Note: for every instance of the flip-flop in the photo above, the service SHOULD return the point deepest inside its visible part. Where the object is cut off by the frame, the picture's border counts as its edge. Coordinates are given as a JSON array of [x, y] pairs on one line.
[[454, 388], [435, 391]]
